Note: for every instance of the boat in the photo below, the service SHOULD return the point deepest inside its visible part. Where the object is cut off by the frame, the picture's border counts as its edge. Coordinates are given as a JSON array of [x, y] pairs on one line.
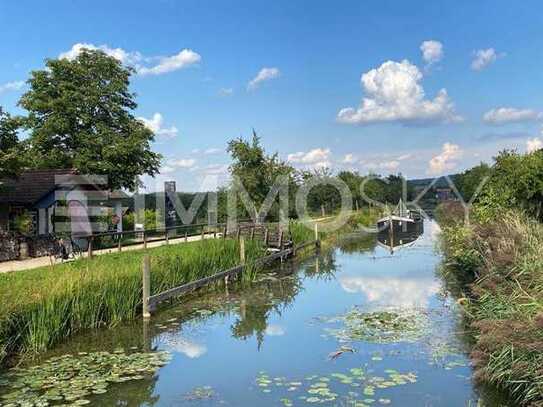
[[401, 218]]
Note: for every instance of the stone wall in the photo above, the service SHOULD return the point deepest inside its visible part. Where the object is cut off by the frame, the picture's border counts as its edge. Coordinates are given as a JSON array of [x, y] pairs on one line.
[[38, 246], [9, 247]]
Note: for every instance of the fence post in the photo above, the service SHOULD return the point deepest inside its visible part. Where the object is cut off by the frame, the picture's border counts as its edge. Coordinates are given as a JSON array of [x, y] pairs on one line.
[[317, 241], [203, 232], [186, 236], [89, 253], [167, 235], [242, 249], [266, 237], [120, 243], [144, 240], [146, 286], [225, 231]]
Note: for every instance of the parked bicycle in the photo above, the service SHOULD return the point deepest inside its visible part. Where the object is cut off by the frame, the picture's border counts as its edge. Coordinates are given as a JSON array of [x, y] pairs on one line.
[[65, 248]]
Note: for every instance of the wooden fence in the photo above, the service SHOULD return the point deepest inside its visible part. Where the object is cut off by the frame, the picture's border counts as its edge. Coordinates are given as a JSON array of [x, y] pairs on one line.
[[150, 302]]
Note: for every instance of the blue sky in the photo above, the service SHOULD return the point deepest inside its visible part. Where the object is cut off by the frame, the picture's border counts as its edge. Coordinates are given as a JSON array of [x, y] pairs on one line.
[[307, 61]]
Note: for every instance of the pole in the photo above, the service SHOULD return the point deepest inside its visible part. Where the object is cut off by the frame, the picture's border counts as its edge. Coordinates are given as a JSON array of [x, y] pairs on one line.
[[120, 243], [317, 241], [242, 249], [144, 240], [89, 254], [146, 286]]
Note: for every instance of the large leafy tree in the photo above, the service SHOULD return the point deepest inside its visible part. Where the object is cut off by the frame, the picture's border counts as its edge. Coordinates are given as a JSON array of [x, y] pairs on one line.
[[80, 116], [11, 149]]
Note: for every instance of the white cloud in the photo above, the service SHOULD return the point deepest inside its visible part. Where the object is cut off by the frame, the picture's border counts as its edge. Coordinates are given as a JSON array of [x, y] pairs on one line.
[[404, 157], [504, 115], [483, 58], [432, 51], [390, 165], [183, 163], [265, 74], [534, 144], [226, 91], [394, 93], [446, 160], [156, 126], [349, 159], [128, 58], [167, 169], [11, 86], [216, 169], [316, 158], [210, 151], [275, 330], [183, 59]]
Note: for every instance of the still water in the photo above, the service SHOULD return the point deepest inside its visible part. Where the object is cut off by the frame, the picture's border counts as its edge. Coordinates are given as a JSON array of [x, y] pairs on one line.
[[357, 325]]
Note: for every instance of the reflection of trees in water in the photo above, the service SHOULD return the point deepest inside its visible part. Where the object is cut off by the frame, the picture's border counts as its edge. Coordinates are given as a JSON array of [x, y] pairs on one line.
[[258, 302], [130, 394], [322, 267], [358, 243]]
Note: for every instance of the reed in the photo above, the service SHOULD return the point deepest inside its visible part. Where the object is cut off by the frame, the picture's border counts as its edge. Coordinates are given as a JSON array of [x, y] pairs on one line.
[[41, 307], [499, 267]]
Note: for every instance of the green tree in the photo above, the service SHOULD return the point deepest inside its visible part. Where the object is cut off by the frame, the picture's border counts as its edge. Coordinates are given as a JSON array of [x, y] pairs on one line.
[[11, 149], [80, 116], [258, 172], [469, 181]]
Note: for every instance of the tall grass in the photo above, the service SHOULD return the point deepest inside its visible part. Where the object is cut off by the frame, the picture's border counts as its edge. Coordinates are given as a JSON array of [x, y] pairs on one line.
[[503, 261], [41, 307]]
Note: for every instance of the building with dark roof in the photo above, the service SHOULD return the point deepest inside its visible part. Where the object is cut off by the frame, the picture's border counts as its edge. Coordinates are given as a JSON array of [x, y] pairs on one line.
[[43, 194]]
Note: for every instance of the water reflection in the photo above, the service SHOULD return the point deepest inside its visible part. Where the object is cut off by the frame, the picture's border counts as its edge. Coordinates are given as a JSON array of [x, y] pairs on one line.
[[387, 291], [212, 335], [396, 238]]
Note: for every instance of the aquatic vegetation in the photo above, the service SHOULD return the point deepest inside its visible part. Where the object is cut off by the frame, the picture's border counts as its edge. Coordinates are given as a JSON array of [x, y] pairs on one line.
[[74, 379], [317, 389], [200, 393], [398, 325]]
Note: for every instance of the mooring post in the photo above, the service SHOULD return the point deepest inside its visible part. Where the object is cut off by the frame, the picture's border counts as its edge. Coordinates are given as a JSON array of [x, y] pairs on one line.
[[317, 241], [167, 235], [144, 240], [242, 249], [266, 237], [146, 286], [186, 237], [225, 231]]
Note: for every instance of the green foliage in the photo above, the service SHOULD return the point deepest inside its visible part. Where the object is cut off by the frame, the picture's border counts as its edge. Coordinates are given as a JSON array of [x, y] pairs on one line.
[[148, 217], [258, 172], [11, 149], [470, 180], [23, 223], [516, 181], [80, 116]]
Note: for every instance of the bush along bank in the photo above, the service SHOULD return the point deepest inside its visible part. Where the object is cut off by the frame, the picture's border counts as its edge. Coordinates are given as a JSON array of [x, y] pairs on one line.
[[499, 265]]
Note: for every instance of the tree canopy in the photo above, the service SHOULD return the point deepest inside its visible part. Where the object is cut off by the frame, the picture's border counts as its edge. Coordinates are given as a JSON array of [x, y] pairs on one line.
[[80, 116], [11, 149]]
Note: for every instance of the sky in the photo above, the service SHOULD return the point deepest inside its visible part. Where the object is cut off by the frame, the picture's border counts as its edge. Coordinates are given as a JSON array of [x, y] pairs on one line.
[[423, 88]]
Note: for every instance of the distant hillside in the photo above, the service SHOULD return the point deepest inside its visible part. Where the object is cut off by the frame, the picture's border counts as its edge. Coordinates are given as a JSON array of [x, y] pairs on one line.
[[423, 182]]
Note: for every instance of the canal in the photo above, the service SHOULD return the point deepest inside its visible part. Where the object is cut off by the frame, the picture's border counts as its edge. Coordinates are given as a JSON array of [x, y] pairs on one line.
[[358, 325]]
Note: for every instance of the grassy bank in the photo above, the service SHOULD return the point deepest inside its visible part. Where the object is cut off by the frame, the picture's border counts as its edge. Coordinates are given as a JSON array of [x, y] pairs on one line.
[[43, 306], [499, 265]]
